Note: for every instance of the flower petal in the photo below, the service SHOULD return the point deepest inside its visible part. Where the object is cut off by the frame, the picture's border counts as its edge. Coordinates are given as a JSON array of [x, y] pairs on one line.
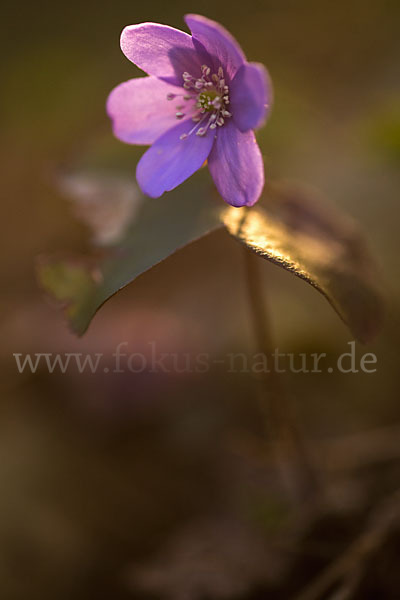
[[218, 43], [170, 160], [161, 51], [236, 165], [140, 111], [250, 96]]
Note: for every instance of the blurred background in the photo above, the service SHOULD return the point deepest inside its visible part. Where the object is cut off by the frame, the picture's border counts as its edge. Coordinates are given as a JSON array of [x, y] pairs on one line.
[[162, 485]]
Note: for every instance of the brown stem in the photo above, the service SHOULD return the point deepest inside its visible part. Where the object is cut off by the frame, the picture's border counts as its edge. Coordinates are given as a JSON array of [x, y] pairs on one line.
[[287, 440]]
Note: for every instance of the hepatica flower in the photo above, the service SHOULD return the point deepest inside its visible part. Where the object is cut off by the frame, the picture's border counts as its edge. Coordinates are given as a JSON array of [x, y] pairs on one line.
[[200, 102]]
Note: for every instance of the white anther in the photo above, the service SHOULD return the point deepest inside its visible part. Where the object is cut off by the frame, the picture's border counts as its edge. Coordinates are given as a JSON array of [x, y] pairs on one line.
[[209, 107], [183, 136]]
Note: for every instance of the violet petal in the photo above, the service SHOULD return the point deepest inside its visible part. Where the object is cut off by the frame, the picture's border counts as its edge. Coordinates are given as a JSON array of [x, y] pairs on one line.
[[140, 111], [218, 43], [160, 50], [236, 165], [250, 96], [171, 160]]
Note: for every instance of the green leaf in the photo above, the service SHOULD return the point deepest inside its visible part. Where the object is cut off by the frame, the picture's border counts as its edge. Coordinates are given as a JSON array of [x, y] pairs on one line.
[[160, 227], [295, 230], [288, 226]]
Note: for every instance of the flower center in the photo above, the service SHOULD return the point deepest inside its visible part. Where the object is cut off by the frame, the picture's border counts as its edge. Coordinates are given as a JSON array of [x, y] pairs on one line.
[[207, 97], [205, 100]]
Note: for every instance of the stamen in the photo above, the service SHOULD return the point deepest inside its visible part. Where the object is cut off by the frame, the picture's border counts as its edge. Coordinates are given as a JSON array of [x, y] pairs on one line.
[[210, 94], [196, 126]]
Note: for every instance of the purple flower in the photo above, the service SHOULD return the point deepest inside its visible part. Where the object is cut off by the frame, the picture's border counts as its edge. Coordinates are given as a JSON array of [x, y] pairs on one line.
[[201, 102]]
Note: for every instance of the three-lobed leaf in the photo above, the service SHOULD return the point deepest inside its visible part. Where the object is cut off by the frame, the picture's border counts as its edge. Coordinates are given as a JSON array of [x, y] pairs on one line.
[[288, 226]]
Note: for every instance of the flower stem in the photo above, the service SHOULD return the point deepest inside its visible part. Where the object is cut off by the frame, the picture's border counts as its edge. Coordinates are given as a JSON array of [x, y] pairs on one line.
[[287, 440]]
